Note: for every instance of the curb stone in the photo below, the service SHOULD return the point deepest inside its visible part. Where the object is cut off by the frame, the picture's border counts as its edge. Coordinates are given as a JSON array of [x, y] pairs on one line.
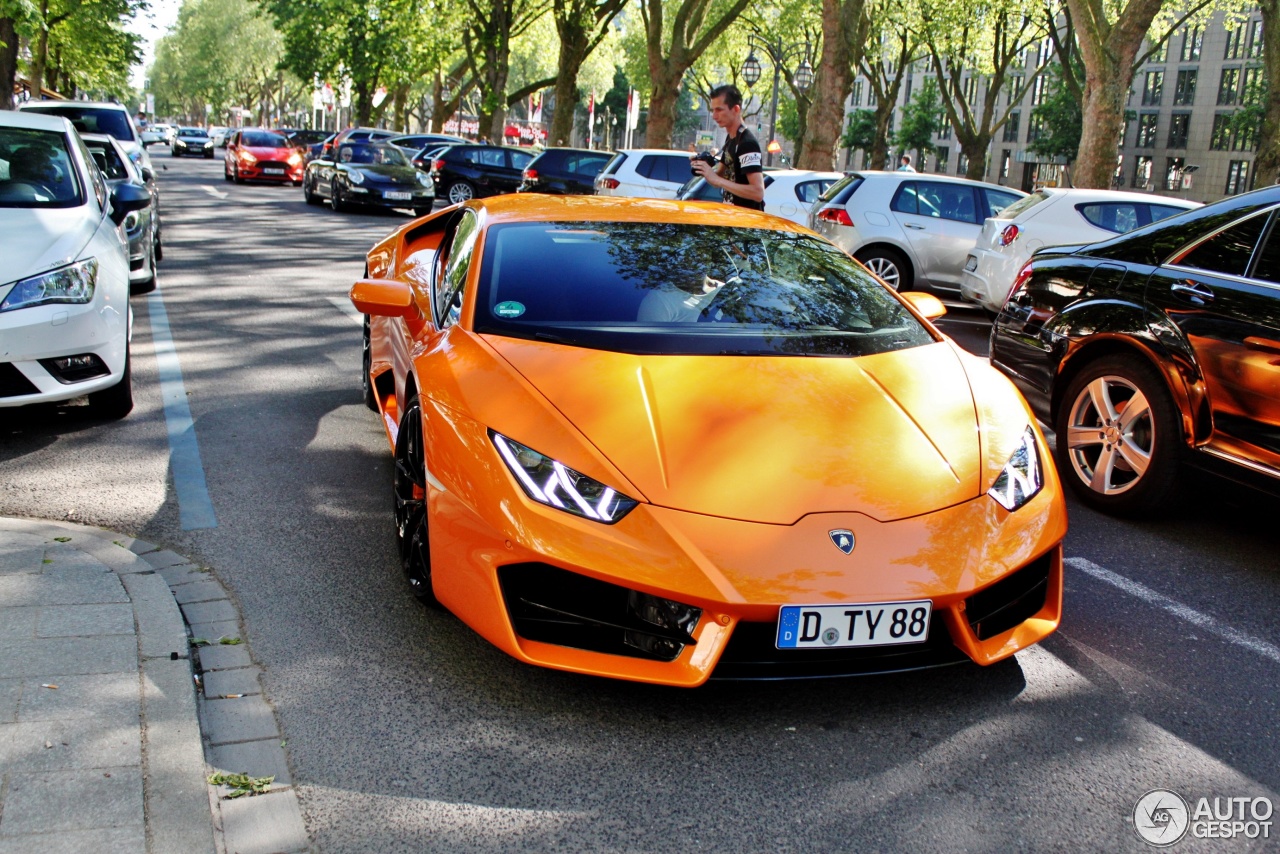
[[187, 736]]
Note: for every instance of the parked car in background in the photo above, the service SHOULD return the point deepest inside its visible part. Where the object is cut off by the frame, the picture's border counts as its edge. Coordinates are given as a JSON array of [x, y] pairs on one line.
[[788, 193], [153, 135], [358, 134], [1048, 217], [97, 117], [318, 148], [563, 171], [654, 173], [1155, 349], [368, 174], [254, 154], [415, 142], [913, 230], [463, 172], [65, 319], [141, 227], [303, 138], [192, 141], [425, 158], [219, 135]]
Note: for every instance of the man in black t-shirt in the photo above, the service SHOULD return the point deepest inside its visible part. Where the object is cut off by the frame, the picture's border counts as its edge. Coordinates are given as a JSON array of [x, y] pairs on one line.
[[740, 172]]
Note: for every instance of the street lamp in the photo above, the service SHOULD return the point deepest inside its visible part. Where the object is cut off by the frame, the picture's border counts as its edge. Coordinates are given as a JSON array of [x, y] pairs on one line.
[[779, 54]]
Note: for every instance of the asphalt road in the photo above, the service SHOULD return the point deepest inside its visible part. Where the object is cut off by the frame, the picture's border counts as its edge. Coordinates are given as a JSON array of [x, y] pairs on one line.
[[407, 732]]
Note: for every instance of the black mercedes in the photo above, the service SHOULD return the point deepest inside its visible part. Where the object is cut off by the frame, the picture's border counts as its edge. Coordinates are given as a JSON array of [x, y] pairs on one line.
[[369, 174]]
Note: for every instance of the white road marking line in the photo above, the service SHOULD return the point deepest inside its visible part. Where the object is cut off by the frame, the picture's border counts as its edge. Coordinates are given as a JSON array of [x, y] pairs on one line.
[[217, 194], [344, 305], [1183, 612]]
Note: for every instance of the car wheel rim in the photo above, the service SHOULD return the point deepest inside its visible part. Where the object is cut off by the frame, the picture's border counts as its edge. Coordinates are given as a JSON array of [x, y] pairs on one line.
[[460, 193], [885, 269], [410, 491], [1111, 435]]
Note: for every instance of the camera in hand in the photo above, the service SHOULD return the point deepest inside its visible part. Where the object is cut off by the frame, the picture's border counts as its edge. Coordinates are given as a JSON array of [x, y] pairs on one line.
[[706, 157]]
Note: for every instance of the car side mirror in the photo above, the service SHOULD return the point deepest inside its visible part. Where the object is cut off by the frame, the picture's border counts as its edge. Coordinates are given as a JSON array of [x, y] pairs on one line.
[[927, 304], [126, 198], [386, 298]]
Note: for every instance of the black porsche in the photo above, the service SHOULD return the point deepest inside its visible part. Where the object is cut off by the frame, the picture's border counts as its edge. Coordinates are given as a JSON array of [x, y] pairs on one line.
[[367, 174]]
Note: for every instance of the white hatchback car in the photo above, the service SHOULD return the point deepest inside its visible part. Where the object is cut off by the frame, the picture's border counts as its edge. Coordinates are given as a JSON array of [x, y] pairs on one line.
[[788, 193], [913, 230], [651, 173], [65, 319], [1054, 216], [98, 117]]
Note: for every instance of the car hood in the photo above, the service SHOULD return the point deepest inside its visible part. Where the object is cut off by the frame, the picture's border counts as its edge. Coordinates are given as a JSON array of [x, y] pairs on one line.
[[394, 174], [771, 439], [39, 239]]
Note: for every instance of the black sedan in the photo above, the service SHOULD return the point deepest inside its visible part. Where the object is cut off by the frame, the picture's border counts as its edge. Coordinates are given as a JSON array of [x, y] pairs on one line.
[[1153, 349], [564, 171], [367, 174], [191, 141]]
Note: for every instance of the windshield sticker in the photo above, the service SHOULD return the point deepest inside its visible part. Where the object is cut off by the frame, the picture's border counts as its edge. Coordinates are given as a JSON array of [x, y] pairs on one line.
[[509, 309]]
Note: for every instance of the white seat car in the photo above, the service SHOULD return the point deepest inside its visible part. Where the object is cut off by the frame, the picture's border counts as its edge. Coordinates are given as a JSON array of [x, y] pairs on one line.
[[913, 230], [652, 173], [1054, 216], [788, 193], [65, 318]]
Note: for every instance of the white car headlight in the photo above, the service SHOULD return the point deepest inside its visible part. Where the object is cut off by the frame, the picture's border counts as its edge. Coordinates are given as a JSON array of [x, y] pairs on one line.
[[1020, 479], [73, 283], [552, 483], [355, 176], [425, 180]]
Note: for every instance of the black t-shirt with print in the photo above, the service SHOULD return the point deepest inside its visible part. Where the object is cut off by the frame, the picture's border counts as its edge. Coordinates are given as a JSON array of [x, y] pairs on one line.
[[741, 157]]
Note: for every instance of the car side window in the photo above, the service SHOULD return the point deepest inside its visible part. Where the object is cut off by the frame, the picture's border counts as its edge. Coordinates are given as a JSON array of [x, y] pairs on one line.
[[1162, 211], [1267, 265], [808, 191], [906, 200], [998, 201], [677, 168], [96, 181], [1228, 251], [947, 201], [519, 159], [1118, 217], [491, 157], [589, 166], [449, 287]]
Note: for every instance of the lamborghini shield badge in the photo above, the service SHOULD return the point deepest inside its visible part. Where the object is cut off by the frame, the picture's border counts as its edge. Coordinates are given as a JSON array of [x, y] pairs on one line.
[[843, 539]]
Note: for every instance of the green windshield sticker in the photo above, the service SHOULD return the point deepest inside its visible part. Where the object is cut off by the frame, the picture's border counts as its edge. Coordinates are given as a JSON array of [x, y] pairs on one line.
[[509, 309]]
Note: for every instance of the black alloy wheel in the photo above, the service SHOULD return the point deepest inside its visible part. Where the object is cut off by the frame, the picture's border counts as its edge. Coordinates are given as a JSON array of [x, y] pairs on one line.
[[366, 384], [409, 488], [335, 198]]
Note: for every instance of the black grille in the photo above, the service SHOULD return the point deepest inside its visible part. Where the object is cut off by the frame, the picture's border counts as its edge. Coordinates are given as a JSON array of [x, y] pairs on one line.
[[553, 605], [13, 383], [752, 654], [1011, 600]]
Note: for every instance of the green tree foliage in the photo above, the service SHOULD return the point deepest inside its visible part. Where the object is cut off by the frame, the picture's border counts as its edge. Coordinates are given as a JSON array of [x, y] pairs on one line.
[[921, 120], [1059, 118], [72, 46], [861, 132]]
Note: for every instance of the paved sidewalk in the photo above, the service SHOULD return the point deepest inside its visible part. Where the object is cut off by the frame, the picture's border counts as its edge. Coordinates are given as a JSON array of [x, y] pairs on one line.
[[106, 739]]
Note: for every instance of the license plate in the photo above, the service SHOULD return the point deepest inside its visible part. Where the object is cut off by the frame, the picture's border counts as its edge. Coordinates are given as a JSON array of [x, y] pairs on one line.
[[971, 263], [403, 197], [273, 170], [837, 626]]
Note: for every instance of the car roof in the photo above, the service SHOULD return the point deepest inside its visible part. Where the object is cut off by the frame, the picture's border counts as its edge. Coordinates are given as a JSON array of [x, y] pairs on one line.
[[10, 118], [1084, 194], [42, 105], [802, 173], [539, 207], [653, 151]]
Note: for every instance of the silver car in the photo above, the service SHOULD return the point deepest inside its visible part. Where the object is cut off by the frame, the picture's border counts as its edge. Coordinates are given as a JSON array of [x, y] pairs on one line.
[[141, 227], [913, 230]]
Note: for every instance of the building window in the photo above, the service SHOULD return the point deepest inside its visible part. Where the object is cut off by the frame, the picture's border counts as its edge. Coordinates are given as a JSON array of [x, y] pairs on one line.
[[1161, 55], [1237, 173], [1005, 159], [971, 89], [945, 131], [1246, 138], [1011, 126], [962, 164], [1035, 127], [1184, 93], [1255, 39], [1229, 86], [941, 155], [857, 93], [1220, 139], [1147, 130], [1251, 85], [1173, 173], [1153, 88], [1179, 127], [1013, 86], [1038, 89], [1192, 42], [906, 95], [1235, 43], [1142, 172]]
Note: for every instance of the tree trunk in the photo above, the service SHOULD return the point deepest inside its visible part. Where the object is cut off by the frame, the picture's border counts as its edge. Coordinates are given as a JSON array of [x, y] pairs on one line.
[[879, 154], [976, 150], [842, 39], [662, 109], [40, 52], [1266, 169], [362, 99], [8, 62], [573, 45]]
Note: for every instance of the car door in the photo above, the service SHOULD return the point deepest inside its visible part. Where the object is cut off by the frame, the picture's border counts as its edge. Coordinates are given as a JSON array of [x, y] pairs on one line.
[[489, 164], [1224, 294], [940, 220]]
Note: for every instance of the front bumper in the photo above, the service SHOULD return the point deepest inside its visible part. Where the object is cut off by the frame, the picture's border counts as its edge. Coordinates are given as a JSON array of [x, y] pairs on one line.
[[33, 337], [267, 171], [375, 195]]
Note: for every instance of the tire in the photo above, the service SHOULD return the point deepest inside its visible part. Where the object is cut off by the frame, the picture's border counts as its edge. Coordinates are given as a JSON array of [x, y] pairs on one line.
[[887, 264], [335, 199], [226, 172], [312, 198], [116, 402], [460, 191], [159, 247], [409, 492], [366, 384], [235, 175], [1129, 464]]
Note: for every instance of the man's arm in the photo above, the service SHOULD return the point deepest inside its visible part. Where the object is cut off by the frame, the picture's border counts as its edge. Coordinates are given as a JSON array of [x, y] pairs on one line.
[[749, 161]]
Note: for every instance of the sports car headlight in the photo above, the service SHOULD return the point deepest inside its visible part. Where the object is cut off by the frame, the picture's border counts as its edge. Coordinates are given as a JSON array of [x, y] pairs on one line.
[[71, 284], [550, 482], [424, 179], [1020, 479], [355, 176]]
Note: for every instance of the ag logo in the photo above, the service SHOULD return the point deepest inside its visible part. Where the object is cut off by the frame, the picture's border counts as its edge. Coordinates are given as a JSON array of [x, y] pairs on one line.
[[1161, 817], [843, 539]]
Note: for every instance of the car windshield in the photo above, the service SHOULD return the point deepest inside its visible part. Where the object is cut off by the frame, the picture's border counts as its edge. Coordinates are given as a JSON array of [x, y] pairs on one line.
[[107, 159], [94, 119], [371, 155], [189, 133], [261, 139], [36, 170], [667, 288]]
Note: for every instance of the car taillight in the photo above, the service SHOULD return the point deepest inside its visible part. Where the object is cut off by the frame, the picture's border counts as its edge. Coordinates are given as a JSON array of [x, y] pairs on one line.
[[1009, 234], [530, 174], [1020, 281], [437, 165], [839, 216], [609, 183]]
